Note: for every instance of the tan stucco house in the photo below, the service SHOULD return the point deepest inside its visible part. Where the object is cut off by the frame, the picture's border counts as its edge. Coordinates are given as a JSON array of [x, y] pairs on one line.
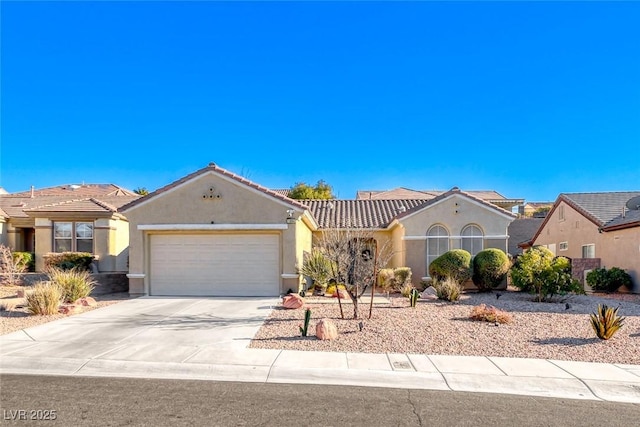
[[594, 230], [79, 218], [216, 233]]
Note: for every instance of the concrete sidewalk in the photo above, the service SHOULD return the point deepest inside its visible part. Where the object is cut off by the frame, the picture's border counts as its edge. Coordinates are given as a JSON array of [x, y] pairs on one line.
[[181, 339]]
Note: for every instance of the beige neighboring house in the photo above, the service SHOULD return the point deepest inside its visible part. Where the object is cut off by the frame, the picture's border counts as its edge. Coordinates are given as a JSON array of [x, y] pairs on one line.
[[406, 193], [535, 209], [594, 230], [215, 233], [83, 218]]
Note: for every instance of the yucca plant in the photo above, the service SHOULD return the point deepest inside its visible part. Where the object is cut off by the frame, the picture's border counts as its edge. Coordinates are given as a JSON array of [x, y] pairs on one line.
[[606, 322], [44, 299]]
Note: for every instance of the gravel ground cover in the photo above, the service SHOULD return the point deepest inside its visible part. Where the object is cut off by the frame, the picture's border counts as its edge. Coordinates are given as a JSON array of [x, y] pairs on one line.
[[14, 316], [559, 330], [552, 330]]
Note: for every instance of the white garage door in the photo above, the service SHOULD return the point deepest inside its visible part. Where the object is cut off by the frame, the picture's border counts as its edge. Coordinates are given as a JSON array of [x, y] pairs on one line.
[[215, 265]]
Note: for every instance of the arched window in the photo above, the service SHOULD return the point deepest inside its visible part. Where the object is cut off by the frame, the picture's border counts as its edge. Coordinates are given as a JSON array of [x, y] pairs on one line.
[[472, 239], [437, 243]]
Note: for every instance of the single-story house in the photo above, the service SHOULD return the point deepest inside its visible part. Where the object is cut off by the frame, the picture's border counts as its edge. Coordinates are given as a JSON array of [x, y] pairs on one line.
[[594, 230], [215, 233], [490, 196], [80, 218]]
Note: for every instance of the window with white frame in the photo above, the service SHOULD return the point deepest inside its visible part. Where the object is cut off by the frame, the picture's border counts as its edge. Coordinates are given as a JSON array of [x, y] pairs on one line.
[[563, 246], [472, 239], [73, 236], [437, 243], [589, 251]]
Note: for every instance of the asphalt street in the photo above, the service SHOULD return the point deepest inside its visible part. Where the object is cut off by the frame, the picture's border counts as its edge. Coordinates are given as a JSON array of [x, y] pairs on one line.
[[92, 401]]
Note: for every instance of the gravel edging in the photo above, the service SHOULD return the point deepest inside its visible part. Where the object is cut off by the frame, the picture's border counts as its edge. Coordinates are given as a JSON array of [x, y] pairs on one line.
[[18, 318], [538, 330]]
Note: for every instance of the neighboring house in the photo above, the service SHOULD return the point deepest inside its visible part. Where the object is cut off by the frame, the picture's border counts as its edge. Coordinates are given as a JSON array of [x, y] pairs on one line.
[[521, 231], [594, 230], [216, 233], [535, 209], [406, 193], [83, 218]]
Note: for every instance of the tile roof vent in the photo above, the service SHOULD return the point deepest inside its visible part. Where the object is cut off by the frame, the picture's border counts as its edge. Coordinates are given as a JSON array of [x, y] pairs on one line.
[[74, 186]]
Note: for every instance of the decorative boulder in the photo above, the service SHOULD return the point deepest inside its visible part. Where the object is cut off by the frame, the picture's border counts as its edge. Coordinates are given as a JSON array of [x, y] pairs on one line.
[[326, 330], [70, 309], [86, 302], [429, 293], [292, 301]]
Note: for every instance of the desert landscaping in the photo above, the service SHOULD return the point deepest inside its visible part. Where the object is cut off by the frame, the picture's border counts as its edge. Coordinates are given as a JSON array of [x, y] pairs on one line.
[[558, 330]]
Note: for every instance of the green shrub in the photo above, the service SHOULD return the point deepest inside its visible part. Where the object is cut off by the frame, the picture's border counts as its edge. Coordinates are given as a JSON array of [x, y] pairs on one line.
[[68, 260], [25, 261], [539, 272], [455, 263], [606, 322], [401, 276], [490, 268], [448, 289], [74, 283], [332, 288], [601, 279], [44, 299]]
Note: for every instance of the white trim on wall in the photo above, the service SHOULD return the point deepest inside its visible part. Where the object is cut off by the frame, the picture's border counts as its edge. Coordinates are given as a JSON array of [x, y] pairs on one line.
[[189, 227], [289, 276]]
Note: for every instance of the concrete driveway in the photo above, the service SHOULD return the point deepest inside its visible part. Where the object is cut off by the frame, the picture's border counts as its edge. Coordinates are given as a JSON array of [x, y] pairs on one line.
[[207, 339], [157, 329]]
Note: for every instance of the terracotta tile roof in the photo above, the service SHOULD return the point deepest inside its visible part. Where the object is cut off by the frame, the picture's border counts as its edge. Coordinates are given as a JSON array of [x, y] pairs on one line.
[[377, 213], [16, 206], [358, 213], [76, 191], [94, 205], [212, 167], [407, 193]]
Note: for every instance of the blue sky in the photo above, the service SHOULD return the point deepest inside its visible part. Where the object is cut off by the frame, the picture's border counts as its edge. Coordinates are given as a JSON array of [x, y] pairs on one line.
[[530, 99]]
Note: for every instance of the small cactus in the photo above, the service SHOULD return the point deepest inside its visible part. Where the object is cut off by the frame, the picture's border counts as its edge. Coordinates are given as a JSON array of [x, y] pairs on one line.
[[606, 322], [413, 297], [307, 318]]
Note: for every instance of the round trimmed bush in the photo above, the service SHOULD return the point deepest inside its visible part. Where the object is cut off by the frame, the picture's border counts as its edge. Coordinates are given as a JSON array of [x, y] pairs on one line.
[[490, 268], [455, 264]]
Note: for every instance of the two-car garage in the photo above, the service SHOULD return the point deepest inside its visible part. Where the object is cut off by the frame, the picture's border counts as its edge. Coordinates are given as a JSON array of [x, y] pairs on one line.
[[214, 264]]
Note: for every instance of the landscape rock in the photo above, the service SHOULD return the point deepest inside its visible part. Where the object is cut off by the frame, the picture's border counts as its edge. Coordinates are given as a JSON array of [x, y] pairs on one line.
[[429, 293], [326, 330], [70, 309], [292, 301], [86, 302]]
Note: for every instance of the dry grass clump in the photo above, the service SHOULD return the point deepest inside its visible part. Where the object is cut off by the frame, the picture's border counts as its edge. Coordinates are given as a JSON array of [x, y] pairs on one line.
[[75, 283], [45, 299], [490, 314]]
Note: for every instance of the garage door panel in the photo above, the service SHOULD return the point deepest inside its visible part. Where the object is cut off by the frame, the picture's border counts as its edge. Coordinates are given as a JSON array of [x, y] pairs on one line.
[[215, 265]]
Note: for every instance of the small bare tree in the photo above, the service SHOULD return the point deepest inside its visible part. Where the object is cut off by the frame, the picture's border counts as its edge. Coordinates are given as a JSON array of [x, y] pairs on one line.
[[10, 268], [356, 258]]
